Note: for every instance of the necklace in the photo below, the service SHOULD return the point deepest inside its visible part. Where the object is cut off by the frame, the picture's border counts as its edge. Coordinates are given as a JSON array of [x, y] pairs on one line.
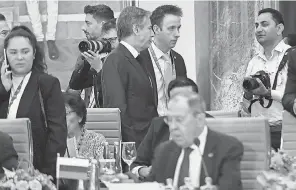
[[80, 140]]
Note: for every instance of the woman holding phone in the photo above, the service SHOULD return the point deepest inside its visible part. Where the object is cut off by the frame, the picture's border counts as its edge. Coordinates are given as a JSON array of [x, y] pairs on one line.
[[26, 91]]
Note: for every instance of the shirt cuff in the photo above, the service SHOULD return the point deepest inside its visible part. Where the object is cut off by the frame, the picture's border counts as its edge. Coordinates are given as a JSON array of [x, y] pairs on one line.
[[277, 95], [294, 106], [136, 169]]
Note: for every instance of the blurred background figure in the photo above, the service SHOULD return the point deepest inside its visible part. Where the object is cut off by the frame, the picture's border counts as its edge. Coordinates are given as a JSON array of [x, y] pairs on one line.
[[4, 30], [52, 20]]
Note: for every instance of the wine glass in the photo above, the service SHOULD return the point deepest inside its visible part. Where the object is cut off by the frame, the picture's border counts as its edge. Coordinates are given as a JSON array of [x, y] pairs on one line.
[[129, 153]]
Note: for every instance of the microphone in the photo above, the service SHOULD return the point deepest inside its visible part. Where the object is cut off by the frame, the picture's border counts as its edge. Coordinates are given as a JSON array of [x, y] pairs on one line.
[[197, 143]]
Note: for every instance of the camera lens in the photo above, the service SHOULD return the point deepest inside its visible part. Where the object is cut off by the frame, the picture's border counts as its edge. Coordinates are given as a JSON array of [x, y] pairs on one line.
[[83, 46], [250, 84]]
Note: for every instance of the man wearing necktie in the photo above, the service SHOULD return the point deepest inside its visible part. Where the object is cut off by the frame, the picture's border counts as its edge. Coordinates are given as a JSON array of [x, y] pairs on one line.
[[195, 151]]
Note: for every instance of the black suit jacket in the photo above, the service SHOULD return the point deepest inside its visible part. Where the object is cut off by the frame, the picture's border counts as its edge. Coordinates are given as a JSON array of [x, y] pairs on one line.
[[222, 157], [8, 156], [126, 86], [290, 90], [158, 133], [46, 142], [146, 61], [84, 77]]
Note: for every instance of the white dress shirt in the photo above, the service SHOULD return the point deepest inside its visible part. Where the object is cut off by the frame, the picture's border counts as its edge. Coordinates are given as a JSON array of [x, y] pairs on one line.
[[260, 62], [165, 65], [195, 164], [130, 48], [15, 83]]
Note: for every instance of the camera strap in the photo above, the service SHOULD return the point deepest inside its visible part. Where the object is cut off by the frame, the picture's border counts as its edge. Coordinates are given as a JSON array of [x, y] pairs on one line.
[[282, 64]]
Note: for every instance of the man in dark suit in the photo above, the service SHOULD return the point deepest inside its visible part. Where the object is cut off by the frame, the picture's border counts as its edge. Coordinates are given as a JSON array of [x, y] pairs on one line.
[[195, 151], [289, 98], [8, 156], [162, 63], [125, 83], [159, 131]]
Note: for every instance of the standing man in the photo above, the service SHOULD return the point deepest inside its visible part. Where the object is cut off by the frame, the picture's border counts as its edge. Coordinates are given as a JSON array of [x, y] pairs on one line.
[[269, 33], [162, 63], [125, 82], [52, 20], [86, 75]]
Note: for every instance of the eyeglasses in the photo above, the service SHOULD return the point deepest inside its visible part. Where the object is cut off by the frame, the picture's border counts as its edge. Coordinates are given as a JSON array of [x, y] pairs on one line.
[[111, 40], [68, 112]]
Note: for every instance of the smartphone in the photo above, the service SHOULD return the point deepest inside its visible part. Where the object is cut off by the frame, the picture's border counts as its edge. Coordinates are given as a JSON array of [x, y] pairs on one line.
[[5, 60]]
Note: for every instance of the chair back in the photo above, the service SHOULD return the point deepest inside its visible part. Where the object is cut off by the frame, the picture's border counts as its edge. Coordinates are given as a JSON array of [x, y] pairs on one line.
[[223, 114], [289, 133], [255, 136], [105, 121], [20, 132]]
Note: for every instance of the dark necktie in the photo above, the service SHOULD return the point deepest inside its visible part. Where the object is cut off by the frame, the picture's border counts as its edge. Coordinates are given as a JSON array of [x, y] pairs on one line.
[[184, 170]]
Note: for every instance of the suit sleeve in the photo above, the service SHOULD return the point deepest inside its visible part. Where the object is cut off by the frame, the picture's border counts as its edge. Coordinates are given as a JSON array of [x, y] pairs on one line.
[[114, 82], [57, 130], [230, 175], [156, 163], [144, 152], [290, 90], [82, 76]]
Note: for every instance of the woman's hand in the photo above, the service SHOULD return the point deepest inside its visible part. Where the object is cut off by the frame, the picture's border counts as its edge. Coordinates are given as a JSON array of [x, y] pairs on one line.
[[6, 76]]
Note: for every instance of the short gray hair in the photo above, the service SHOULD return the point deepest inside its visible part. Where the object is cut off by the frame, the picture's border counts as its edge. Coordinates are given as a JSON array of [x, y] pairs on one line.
[[195, 102], [128, 17]]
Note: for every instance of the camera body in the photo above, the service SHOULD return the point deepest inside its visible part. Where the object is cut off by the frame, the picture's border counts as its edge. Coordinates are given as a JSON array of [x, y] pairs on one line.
[[250, 83], [101, 46]]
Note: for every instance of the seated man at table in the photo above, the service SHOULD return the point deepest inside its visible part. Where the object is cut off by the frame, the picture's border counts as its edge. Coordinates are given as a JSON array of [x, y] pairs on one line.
[[8, 155], [159, 131], [191, 138]]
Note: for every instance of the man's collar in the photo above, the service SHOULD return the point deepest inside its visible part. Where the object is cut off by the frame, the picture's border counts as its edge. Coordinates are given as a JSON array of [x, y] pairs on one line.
[[280, 47], [157, 51], [202, 139], [133, 51]]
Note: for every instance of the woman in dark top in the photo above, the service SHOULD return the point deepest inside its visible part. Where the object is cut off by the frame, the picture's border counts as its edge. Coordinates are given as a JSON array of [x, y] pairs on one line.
[[26, 91]]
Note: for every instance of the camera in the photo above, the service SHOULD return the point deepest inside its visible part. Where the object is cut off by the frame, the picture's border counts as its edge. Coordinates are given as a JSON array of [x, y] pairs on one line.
[[250, 83], [101, 46]]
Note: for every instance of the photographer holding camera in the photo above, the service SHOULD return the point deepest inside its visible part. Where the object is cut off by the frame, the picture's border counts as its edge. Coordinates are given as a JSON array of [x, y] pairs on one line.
[[266, 73], [86, 75]]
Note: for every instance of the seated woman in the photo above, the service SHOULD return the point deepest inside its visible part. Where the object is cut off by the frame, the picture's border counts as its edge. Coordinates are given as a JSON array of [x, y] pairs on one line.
[[88, 144]]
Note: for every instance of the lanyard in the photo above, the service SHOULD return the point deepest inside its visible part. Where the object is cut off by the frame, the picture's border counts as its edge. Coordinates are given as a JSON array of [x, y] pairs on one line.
[[162, 75], [14, 96]]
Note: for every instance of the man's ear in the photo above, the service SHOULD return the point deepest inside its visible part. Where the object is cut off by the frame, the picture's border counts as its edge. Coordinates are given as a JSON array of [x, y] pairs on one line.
[[156, 29], [280, 29], [136, 29]]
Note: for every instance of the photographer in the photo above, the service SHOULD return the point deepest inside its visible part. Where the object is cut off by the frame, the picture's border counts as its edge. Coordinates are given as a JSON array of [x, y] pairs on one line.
[[89, 63], [266, 76]]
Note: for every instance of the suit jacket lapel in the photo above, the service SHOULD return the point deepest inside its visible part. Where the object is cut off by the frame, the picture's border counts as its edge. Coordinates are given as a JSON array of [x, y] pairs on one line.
[[28, 96], [133, 60], [208, 157], [146, 62], [173, 155]]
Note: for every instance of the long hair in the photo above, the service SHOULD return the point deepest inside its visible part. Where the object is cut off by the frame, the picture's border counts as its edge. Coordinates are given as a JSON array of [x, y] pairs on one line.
[[39, 64]]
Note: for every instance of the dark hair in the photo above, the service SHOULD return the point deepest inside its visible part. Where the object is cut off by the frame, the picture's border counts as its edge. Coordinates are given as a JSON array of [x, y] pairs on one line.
[[276, 15], [39, 64], [182, 82], [159, 13], [107, 26], [100, 11], [128, 17], [2, 17], [75, 102]]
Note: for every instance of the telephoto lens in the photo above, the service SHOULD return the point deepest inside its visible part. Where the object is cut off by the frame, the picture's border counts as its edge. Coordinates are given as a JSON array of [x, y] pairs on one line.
[[250, 83], [101, 46]]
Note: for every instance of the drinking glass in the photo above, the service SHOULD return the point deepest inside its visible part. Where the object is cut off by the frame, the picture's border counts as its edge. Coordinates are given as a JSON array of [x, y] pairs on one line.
[[129, 153]]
